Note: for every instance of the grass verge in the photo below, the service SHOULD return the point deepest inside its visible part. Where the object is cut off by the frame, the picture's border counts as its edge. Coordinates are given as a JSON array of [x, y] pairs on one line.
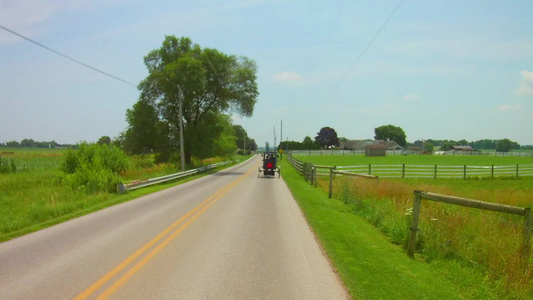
[[374, 268]]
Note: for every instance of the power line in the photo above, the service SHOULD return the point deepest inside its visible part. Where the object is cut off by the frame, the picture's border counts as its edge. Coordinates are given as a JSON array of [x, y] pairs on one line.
[[362, 53], [66, 56], [365, 49], [326, 41]]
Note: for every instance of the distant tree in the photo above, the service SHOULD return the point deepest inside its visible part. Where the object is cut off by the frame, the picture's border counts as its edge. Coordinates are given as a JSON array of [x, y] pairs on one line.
[[27, 143], [104, 140], [446, 145], [428, 147], [327, 137], [309, 144], [391, 132], [240, 135], [13, 144], [252, 145], [504, 145]]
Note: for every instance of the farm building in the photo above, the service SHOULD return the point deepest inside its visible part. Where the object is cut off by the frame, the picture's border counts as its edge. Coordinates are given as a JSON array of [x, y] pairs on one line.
[[462, 148], [375, 150], [362, 144]]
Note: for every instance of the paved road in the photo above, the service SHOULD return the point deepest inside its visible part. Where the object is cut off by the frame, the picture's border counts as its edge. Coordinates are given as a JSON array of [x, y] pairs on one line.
[[229, 235]]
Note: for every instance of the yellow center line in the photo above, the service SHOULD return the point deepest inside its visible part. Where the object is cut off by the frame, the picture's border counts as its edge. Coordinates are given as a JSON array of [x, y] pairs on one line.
[[107, 277]]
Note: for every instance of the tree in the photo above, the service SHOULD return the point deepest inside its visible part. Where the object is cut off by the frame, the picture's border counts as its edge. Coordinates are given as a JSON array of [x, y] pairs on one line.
[[428, 147], [241, 134], [203, 81], [13, 144], [504, 145], [145, 133], [27, 143], [446, 145], [104, 140], [391, 132], [309, 144], [327, 137]]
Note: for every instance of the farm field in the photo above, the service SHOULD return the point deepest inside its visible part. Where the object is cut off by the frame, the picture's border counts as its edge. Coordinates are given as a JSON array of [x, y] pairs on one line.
[[33, 197]]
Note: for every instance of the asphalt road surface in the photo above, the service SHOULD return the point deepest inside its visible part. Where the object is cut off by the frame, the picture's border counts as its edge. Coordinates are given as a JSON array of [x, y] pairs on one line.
[[229, 235]]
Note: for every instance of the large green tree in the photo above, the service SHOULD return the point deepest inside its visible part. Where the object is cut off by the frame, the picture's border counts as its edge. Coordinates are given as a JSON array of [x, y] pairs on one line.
[[205, 81], [327, 137], [394, 133]]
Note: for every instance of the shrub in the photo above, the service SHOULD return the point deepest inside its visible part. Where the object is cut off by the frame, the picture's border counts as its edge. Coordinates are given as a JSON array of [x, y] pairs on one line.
[[94, 168]]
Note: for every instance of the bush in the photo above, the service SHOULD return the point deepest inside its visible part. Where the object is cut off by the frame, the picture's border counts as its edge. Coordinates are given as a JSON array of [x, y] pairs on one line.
[[94, 168]]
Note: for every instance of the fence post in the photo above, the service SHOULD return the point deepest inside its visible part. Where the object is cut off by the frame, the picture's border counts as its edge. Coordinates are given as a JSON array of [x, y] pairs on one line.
[[492, 171], [314, 175], [527, 234], [464, 172], [403, 170], [121, 188], [369, 169], [435, 172], [516, 170], [414, 224], [330, 182]]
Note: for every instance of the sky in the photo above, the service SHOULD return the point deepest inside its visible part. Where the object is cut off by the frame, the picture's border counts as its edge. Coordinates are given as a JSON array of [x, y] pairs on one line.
[[438, 69]]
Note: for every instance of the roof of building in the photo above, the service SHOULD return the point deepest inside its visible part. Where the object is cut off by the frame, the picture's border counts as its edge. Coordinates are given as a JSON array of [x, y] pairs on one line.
[[463, 148]]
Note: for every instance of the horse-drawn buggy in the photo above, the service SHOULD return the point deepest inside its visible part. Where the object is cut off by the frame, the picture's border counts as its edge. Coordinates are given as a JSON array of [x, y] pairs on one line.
[[270, 165]]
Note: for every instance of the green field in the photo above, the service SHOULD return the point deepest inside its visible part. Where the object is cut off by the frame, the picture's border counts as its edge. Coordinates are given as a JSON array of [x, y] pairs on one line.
[[33, 197], [417, 160]]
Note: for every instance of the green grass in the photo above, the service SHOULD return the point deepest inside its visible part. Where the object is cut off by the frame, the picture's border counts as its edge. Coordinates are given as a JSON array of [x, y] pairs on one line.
[[416, 160], [33, 198], [370, 265]]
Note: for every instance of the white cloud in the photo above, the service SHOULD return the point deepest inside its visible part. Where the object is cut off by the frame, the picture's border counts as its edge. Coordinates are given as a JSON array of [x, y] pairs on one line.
[[506, 107], [288, 76], [411, 97], [526, 84]]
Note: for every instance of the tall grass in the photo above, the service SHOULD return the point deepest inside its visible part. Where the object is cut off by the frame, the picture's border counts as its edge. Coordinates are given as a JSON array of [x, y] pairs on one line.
[[486, 240]]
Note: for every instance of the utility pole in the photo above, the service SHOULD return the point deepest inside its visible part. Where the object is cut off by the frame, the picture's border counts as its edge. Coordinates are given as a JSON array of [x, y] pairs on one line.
[[281, 139], [180, 115], [275, 145]]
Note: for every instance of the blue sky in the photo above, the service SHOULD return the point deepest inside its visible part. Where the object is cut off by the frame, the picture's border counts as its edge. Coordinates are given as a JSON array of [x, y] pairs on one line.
[[438, 69]]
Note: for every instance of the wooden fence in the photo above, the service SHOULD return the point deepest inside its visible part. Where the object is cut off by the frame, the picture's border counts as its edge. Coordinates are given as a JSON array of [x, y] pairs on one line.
[[420, 195], [310, 173]]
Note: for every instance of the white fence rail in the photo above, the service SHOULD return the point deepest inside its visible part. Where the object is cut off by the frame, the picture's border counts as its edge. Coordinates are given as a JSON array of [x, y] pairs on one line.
[[122, 188], [407, 152], [437, 171]]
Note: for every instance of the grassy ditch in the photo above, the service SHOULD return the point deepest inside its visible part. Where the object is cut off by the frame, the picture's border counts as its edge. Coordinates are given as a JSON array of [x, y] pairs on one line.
[[374, 268], [34, 198]]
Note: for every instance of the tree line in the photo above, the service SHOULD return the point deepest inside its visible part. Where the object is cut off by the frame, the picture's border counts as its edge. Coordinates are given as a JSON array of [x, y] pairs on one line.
[[30, 143], [327, 138]]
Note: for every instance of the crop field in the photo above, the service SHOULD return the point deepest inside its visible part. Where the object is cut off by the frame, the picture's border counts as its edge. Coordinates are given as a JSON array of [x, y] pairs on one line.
[[489, 241], [33, 197]]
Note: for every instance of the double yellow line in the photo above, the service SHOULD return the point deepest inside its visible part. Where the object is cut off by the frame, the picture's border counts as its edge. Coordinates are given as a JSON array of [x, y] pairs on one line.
[[187, 219]]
